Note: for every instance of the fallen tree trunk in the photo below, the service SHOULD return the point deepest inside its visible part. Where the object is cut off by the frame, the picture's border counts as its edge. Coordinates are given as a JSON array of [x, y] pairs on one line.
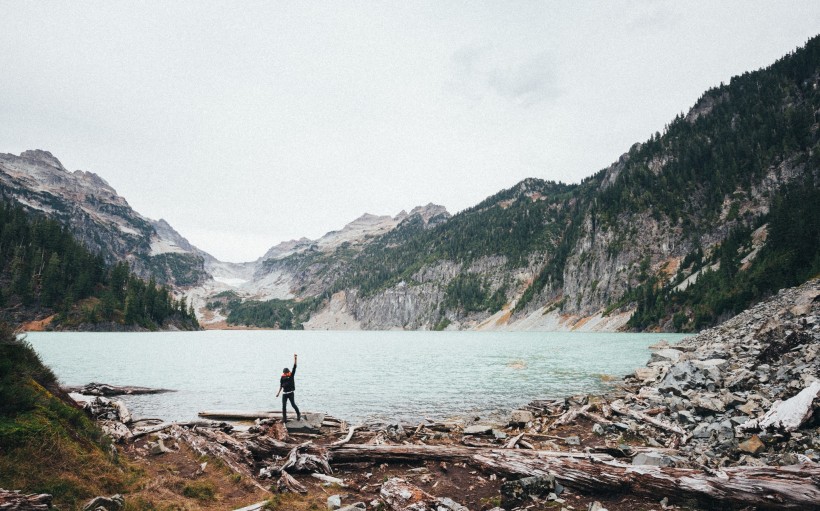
[[137, 433], [104, 389], [448, 453], [16, 501], [792, 487]]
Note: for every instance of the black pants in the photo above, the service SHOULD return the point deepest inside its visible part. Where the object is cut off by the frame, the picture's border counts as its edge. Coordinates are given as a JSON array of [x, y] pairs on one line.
[[285, 397]]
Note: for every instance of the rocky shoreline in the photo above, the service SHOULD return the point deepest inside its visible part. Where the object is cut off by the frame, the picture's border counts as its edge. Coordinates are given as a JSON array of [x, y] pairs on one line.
[[725, 419], [719, 385]]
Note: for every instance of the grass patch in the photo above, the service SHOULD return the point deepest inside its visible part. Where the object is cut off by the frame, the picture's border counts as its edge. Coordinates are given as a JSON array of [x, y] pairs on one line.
[[200, 490], [47, 445]]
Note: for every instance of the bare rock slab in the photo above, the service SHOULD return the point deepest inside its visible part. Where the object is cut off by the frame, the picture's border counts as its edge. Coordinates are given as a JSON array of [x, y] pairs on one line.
[[311, 422], [478, 429]]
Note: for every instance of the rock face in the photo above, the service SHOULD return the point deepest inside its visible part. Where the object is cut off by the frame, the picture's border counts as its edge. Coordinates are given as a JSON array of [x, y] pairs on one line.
[[100, 219]]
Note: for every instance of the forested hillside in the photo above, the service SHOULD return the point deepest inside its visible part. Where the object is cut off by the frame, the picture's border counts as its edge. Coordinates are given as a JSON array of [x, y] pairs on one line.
[[100, 219], [44, 271], [715, 212], [736, 180]]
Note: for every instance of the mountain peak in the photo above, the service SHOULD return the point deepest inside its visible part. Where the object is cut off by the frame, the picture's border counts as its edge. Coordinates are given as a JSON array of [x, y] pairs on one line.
[[43, 157]]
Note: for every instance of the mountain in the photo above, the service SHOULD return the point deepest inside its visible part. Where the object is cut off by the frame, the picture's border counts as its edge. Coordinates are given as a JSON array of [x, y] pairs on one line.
[[684, 229], [714, 213], [100, 219]]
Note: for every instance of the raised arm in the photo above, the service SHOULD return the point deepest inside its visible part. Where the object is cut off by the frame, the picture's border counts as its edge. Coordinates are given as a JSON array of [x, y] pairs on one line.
[[295, 357]]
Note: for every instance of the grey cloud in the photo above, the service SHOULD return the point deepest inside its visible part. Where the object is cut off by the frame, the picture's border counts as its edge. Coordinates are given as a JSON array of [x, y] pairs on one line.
[[482, 70]]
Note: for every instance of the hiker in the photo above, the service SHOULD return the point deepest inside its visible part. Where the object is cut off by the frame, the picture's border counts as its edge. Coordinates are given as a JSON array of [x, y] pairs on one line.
[[287, 384]]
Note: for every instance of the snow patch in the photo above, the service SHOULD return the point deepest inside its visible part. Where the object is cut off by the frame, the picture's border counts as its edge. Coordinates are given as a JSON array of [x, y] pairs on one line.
[[34, 205], [233, 282], [275, 285], [128, 230], [160, 246]]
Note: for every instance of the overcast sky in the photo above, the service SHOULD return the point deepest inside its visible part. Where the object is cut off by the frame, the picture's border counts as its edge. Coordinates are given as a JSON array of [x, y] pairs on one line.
[[244, 124]]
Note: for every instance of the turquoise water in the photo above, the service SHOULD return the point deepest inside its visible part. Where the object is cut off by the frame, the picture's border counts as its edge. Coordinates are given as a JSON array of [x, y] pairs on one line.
[[351, 375]]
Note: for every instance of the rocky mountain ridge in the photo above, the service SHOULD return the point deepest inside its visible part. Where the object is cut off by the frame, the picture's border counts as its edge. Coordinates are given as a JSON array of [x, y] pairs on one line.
[[100, 218]]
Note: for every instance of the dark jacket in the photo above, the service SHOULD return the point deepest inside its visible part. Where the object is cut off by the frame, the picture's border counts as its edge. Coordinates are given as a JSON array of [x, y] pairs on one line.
[[287, 382]]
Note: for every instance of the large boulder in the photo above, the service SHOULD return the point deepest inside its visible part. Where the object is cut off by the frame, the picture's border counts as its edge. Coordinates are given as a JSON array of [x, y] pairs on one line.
[[112, 503], [693, 374]]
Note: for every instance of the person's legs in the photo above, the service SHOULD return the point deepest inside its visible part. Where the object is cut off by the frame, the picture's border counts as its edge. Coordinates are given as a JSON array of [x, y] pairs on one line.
[[293, 404], [284, 409]]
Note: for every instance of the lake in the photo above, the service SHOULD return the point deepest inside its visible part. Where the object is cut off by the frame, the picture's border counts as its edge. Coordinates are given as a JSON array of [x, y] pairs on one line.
[[384, 376]]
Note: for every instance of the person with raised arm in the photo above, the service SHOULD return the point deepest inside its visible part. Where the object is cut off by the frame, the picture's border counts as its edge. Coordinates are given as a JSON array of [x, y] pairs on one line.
[[288, 386]]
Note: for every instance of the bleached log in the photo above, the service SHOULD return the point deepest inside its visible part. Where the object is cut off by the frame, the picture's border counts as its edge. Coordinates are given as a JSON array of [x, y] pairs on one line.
[[594, 417], [417, 430], [569, 416], [263, 446], [786, 415], [791, 487], [259, 506], [104, 389], [167, 425], [122, 411], [241, 452], [329, 479], [514, 440], [288, 483], [446, 453], [16, 501], [299, 460], [344, 440]]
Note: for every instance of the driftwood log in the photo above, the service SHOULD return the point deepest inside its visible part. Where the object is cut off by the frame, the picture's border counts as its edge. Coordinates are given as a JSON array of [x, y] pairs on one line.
[[287, 483], [16, 501], [104, 389], [794, 487], [298, 460], [137, 433]]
